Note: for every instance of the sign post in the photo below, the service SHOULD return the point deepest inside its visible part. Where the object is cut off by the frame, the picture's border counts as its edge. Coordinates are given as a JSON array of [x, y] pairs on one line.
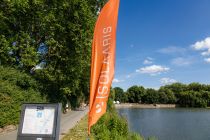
[[39, 122]]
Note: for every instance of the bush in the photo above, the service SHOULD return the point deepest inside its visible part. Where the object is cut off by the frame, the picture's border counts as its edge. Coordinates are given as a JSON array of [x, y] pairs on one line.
[[113, 127], [134, 136], [16, 88]]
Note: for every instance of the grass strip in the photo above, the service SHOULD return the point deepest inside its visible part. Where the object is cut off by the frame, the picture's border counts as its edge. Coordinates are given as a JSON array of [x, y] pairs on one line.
[[79, 132]]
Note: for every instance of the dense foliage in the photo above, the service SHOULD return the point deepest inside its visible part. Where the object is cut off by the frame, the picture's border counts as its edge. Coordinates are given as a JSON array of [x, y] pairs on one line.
[[191, 95], [111, 126], [16, 88], [52, 41]]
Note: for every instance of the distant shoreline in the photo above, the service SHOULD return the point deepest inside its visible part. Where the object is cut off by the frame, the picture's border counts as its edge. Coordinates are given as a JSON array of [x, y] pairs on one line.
[[135, 105]]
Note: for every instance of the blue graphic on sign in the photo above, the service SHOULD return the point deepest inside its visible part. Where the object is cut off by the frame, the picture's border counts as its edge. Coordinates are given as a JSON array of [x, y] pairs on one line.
[[39, 114]]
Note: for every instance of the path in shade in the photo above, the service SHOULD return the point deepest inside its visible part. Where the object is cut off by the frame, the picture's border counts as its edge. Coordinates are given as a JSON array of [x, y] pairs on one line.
[[68, 121]]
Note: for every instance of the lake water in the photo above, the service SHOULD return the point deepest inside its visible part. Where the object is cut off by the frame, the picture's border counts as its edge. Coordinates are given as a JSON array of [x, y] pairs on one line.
[[169, 124]]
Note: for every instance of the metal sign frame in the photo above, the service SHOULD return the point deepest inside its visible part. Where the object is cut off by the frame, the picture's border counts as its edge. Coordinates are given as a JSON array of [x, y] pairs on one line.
[[56, 122]]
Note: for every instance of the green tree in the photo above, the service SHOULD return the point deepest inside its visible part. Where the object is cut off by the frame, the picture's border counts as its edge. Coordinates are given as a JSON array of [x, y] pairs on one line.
[[135, 94], [192, 99], [151, 96], [166, 95], [176, 88], [206, 96], [120, 95], [66, 28], [195, 87]]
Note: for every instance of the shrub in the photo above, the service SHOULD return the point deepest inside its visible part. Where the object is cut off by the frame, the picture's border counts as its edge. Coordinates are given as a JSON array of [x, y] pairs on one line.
[[16, 88], [113, 127]]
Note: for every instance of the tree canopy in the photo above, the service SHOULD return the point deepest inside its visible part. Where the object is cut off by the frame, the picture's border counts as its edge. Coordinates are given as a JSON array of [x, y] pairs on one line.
[[52, 41], [186, 95]]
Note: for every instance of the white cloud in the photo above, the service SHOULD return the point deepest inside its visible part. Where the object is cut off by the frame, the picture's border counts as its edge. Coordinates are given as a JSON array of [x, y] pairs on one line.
[[172, 50], [153, 69], [181, 61], [207, 60], [206, 53], [166, 81], [203, 45], [148, 60], [117, 81]]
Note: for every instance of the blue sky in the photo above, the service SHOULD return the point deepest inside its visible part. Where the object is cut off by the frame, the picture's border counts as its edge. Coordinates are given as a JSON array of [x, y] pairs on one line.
[[161, 42]]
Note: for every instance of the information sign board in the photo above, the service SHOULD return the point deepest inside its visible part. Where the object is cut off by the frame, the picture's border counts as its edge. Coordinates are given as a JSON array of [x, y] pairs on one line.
[[39, 122]]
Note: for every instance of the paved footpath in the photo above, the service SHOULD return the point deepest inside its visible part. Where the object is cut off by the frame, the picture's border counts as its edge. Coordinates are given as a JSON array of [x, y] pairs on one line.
[[68, 121]]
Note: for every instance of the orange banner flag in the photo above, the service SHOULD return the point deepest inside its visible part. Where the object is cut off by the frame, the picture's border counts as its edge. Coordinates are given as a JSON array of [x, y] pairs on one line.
[[103, 60]]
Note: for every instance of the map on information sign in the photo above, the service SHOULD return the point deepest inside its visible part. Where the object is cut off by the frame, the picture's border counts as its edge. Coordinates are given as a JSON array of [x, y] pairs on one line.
[[38, 121]]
